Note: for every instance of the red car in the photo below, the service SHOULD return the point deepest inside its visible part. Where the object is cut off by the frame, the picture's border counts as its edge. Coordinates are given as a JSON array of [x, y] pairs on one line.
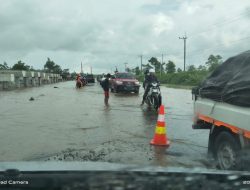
[[124, 82]]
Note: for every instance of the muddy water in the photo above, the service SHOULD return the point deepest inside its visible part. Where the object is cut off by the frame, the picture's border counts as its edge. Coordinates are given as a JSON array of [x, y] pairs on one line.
[[65, 123]]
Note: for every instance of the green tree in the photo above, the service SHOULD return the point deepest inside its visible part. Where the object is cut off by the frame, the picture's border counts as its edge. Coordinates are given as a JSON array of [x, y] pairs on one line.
[[137, 71], [4, 66], [21, 66], [154, 62], [170, 67], [51, 67], [162, 67], [65, 73], [32, 69], [57, 69], [191, 68], [179, 70], [213, 62], [202, 68], [73, 75], [128, 69]]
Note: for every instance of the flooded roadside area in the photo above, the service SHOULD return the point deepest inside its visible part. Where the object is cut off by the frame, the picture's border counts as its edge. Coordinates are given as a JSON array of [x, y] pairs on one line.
[[65, 123]]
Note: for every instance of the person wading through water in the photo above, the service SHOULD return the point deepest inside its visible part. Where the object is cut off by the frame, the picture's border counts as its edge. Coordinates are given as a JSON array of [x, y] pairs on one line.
[[105, 86]]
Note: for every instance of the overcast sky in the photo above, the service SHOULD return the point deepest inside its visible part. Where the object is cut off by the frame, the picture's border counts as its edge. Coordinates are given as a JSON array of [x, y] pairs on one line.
[[107, 33]]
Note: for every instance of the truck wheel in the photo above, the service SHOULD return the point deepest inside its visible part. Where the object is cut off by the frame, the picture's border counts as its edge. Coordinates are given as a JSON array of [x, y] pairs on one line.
[[226, 151]]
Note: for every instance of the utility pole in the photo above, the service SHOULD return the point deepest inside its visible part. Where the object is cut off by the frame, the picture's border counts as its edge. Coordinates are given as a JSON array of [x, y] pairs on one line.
[[81, 68], [161, 65], [90, 69], [141, 63], [125, 66], [184, 39]]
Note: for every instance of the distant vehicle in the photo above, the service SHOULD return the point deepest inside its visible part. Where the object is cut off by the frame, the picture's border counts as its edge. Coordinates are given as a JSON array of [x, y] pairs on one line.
[[124, 82], [90, 78]]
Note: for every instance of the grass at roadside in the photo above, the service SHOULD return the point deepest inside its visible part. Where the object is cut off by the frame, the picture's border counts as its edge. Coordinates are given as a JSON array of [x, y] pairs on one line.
[[178, 86]]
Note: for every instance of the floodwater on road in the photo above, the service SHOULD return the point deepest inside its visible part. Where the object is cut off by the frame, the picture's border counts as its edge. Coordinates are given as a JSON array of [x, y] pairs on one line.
[[71, 124]]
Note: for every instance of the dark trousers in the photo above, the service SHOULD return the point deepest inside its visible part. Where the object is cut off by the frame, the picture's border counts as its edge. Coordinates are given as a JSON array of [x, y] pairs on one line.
[[146, 92]]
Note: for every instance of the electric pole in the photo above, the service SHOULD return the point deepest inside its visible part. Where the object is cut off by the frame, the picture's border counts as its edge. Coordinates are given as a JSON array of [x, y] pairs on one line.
[[184, 39], [81, 68], [161, 65], [141, 63], [125, 66]]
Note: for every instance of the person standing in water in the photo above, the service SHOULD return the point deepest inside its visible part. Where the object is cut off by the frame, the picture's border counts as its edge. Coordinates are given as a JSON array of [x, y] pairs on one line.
[[105, 86]]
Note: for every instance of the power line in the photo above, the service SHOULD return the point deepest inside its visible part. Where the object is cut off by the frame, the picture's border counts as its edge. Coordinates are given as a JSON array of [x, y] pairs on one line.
[[219, 45], [141, 63], [219, 24]]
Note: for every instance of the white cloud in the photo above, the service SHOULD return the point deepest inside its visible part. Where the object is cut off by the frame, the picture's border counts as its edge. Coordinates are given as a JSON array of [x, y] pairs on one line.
[[162, 23], [108, 33]]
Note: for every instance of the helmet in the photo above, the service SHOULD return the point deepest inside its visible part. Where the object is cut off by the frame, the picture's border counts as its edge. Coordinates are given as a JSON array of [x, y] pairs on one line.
[[151, 70]]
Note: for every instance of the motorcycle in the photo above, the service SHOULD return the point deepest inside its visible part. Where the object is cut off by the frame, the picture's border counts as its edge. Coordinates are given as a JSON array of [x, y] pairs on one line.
[[154, 96], [84, 81]]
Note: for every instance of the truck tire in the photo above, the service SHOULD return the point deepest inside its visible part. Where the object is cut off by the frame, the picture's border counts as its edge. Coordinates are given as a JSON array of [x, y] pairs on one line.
[[226, 151]]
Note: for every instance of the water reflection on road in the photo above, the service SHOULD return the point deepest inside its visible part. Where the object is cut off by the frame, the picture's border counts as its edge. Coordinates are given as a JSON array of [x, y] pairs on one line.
[[66, 121]]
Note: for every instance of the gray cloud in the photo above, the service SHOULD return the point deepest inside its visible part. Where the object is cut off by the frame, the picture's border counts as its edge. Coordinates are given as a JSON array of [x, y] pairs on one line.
[[105, 34]]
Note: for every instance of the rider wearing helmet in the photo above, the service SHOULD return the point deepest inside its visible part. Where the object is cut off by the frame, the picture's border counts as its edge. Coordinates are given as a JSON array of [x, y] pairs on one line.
[[149, 78]]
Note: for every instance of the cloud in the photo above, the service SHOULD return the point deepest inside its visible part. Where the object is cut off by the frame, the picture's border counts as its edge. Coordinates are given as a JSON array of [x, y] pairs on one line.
[[162, 23], [105, 34]]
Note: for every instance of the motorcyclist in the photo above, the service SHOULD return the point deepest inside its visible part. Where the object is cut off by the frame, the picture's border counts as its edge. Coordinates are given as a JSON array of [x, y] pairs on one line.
[[83, 80], [148, 80]]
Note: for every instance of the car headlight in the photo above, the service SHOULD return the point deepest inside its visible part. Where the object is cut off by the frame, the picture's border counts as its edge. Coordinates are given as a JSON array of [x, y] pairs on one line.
[[119, 82], [137, 82]]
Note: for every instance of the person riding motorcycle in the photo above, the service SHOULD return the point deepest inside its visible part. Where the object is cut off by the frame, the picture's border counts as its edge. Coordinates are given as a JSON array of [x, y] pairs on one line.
[[78, 80], [83, 80], [148, 80]]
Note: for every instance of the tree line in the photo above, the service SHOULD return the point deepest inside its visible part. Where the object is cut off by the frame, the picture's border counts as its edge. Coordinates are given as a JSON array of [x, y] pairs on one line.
[[49, 67], [168, 73]]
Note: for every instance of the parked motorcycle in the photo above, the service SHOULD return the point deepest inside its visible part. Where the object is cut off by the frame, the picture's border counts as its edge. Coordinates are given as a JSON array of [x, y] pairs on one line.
[[153, 98]]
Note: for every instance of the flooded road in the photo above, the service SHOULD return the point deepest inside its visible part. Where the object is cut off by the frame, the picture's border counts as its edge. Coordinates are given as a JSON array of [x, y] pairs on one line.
[[71, 124]]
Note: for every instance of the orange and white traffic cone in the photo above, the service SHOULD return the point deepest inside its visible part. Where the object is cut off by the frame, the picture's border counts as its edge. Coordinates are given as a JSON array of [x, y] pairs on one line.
[[160, 137]]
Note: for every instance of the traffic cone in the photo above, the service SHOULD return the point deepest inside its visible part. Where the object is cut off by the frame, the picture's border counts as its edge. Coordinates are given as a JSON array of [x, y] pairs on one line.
[[160, 137]]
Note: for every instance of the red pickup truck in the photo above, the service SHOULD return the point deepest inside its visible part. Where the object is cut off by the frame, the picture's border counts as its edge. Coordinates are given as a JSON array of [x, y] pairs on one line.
[[124, 82]]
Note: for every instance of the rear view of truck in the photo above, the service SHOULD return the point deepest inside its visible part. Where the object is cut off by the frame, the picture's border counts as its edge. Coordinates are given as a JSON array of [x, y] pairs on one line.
[[222, 105]]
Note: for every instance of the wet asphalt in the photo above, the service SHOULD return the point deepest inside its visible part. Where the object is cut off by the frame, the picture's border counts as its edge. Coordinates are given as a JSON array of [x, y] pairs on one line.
[[70, 124]]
